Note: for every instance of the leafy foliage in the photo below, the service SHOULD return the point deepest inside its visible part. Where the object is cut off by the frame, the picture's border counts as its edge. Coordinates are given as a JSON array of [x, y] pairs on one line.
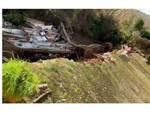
[[138, 24], [15, 16], [18, 79], [146, 34], [148, 58], [104, 29], [126, 31], [128, 28]]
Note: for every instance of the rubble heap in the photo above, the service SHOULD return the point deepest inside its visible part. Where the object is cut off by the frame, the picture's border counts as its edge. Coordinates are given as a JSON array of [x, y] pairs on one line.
[[37, 37]]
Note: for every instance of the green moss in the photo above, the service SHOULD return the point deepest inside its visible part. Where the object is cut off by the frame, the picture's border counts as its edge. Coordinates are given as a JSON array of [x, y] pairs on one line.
[[51, 67], [95, 83]]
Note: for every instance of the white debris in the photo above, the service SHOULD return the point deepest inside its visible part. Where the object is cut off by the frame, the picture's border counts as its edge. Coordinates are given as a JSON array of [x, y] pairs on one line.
[[34, 23], [13, 31], [49, 27], [42, 33], [38, 39], [42, 86], [7, 24], [40, 36]]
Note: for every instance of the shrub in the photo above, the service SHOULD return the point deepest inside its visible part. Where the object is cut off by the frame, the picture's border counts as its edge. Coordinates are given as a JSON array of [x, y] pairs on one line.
[[148, 58], [17, 18], [146, 34], [138, 24], [18, 79], [128, 28], [104, 29], [126, 31]]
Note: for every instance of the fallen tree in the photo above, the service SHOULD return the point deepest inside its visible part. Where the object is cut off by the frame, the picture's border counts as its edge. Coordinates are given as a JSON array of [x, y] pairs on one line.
[[87, 50]]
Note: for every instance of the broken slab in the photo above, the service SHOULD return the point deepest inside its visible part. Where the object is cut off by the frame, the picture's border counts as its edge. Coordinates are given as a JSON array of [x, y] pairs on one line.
[[38, 39], [13, 31], [34, 23]]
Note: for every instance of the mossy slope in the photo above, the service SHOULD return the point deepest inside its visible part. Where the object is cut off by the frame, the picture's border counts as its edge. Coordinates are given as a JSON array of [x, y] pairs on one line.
[[127, 80]]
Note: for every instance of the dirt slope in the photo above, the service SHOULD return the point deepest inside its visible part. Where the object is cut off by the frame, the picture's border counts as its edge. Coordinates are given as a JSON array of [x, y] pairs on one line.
[[126, 81], [121, 15]]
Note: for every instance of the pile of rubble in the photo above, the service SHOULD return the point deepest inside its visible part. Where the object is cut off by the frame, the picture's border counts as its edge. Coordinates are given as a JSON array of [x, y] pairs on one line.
[[108, 57], [37, 37]]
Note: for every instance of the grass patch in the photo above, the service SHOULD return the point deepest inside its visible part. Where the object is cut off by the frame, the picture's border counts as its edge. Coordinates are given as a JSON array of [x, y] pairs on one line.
[[75, 82], [18, 79]]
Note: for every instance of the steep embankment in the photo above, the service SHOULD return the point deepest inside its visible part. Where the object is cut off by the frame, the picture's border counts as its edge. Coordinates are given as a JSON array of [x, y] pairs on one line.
[[125, 80], [121, 15]]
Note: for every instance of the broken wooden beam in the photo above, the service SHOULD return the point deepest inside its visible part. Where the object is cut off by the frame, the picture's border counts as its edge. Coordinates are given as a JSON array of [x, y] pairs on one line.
[[37, 100]]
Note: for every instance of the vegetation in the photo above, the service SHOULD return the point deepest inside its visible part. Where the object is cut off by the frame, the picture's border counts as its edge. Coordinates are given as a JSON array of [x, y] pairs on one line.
[[75, 82], [80, 82], [129, 29], [104, 29], [138, 24], [148, 58], [145, 34], [126, 31], [18, 79], [99, 26], [15, 16]]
